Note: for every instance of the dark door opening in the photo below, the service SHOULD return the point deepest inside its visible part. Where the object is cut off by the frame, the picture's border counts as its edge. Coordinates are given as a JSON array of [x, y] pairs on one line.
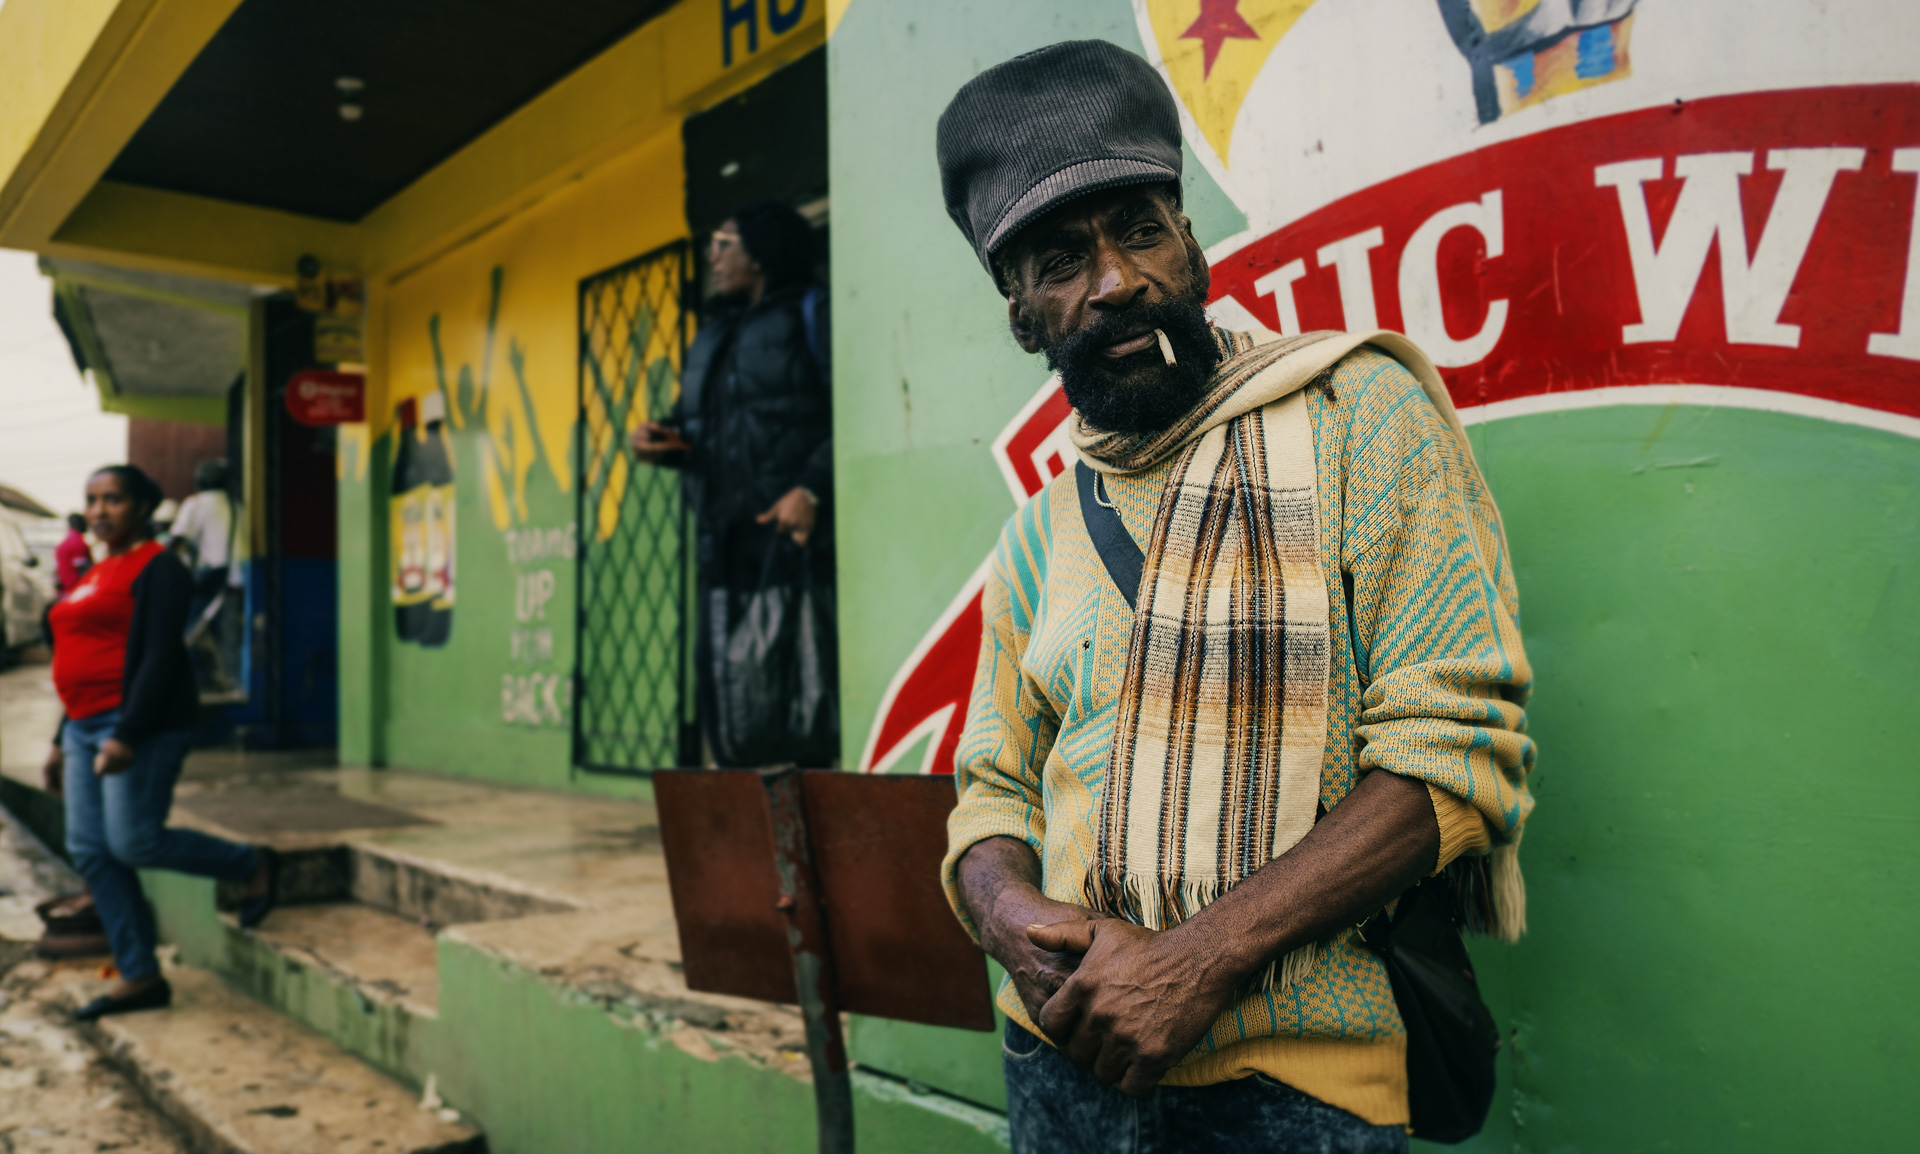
[[635, 693]]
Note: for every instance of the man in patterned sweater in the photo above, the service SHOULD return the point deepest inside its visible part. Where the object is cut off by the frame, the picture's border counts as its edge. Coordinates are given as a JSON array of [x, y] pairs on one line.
[[1186, 778]]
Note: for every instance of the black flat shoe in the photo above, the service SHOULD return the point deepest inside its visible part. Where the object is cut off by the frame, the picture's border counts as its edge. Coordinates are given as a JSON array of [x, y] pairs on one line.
[[254, 910], [155, 997]]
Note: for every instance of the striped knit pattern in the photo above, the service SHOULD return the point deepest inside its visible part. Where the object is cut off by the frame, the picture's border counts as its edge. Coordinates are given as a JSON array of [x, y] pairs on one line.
[[1426, 678]]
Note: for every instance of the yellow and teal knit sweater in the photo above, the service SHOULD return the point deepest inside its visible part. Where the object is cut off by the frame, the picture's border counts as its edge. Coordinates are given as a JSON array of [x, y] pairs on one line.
[[1428, 679]]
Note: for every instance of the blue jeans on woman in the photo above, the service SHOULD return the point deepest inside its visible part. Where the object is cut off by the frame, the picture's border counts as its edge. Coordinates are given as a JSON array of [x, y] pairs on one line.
[[117, 825], [1055, 1107]]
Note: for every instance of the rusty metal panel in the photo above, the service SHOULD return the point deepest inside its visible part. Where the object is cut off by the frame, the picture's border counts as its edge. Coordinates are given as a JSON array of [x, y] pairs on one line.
[[717, 835], [877, 845]]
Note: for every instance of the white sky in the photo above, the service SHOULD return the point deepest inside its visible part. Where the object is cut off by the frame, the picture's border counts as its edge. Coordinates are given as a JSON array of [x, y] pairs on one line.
[[52, 432]]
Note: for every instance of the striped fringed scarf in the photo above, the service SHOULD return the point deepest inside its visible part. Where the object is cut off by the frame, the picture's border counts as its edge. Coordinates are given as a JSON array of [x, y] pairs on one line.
[[1215, 765]]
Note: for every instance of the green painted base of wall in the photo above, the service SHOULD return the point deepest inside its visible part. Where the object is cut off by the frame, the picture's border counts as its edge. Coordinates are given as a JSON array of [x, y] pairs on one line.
[[545, 1068]]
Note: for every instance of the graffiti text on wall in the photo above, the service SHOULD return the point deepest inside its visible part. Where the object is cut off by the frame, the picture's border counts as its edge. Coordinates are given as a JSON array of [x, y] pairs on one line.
[[1748, 240], [535, 688]]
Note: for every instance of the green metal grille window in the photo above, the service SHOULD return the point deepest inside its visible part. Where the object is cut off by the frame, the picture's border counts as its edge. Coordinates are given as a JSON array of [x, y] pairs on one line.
[[633, 698]]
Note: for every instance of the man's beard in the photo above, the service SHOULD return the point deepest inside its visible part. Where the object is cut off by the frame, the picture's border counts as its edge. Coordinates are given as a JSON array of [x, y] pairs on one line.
[[1139, 393]]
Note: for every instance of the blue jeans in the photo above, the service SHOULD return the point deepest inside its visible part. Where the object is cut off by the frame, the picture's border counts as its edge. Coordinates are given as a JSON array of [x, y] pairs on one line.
[[118, 824], [1055, 1107]]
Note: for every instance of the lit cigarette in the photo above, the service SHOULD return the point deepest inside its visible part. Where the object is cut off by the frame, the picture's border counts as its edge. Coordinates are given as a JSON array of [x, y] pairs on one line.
[[1166, 347]]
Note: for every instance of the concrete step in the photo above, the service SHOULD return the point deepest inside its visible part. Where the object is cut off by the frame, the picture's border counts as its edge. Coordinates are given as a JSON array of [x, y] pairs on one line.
[[239, 1078], [386, 959], [440, 893], [420, 889]]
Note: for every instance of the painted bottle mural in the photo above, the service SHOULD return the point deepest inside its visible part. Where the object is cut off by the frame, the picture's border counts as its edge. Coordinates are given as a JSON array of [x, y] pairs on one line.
[[422, 511]]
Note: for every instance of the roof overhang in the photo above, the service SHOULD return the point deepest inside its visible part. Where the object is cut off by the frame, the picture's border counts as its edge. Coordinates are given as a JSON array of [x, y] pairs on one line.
[[80, 78], [154, 344]]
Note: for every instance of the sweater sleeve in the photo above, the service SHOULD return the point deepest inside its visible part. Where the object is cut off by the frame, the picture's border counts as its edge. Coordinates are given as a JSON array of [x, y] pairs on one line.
[[1010, 726], [1435, 612], [156, 655]]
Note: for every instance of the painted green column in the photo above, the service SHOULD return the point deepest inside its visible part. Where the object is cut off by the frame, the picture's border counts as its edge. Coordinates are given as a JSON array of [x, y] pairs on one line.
[[365, 625]]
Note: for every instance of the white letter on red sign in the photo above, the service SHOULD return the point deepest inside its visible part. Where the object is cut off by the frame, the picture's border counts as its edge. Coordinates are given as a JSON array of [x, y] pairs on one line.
[[1906, 342], [1348, 257], [1753, 292], [1279, 285], [1420, 283]]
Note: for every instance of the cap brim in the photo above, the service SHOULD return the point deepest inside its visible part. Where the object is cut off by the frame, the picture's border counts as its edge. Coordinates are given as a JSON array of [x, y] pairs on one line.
[[1070, 182]]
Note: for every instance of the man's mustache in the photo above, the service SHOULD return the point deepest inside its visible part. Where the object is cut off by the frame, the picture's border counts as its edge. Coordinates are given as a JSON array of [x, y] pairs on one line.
[[1087, 346]]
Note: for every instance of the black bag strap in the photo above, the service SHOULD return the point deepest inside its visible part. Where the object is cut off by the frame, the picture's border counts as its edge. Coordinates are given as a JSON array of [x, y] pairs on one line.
[[1119, 552]]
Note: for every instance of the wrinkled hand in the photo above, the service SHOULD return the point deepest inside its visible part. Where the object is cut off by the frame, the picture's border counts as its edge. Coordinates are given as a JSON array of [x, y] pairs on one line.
[[792, 515], [53, 771], [1037, 972], [115, 757], [654, 442], [1138, 1003]]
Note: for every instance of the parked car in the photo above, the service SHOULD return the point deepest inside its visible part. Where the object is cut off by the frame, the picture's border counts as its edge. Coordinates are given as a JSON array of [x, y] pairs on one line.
[[24, 593]]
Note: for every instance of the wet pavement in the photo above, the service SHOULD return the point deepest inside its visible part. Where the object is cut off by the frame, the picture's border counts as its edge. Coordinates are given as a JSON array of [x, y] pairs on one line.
[[57, 1096]]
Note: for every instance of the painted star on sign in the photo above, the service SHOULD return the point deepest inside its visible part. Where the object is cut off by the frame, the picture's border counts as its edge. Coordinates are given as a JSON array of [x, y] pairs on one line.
[[1219, 22]]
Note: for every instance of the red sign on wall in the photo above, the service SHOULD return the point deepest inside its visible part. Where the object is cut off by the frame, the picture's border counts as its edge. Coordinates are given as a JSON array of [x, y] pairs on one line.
[[324, 397]]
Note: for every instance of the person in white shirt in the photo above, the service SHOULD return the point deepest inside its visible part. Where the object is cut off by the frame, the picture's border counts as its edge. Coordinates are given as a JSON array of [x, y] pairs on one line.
[[205, 522]]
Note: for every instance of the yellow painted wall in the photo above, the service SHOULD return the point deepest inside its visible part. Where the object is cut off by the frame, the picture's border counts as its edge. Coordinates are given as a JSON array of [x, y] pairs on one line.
[[626, 207], [493, 701]]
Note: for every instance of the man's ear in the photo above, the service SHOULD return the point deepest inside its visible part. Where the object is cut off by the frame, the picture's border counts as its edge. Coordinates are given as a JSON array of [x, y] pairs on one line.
[[1021, 325], [1202, 273]]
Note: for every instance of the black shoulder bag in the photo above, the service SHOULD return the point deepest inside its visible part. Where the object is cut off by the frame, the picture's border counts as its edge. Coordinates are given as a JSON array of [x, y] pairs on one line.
[[1451, 1036]]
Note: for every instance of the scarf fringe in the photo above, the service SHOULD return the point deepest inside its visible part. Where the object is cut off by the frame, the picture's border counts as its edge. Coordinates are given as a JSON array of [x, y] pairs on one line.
[[1283, 974], [1489, 893], [1509, 893], [1161, 905]]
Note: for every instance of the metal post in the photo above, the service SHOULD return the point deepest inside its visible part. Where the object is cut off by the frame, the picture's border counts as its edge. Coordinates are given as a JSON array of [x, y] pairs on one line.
[[813, 974]]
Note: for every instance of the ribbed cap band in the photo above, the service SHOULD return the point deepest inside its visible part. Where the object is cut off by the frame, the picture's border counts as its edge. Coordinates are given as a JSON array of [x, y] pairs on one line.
[[1028, 135]]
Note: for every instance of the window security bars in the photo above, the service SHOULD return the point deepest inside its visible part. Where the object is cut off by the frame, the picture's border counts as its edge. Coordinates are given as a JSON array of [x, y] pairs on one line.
[[633, 694]]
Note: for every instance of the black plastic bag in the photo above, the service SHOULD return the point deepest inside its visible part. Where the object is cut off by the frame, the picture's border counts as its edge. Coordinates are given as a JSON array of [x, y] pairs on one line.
[[1451, 1035], [772, 650]]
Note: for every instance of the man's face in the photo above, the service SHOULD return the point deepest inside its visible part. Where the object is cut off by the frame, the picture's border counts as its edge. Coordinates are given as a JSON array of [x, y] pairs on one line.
[[1089, 283], [733, 271]]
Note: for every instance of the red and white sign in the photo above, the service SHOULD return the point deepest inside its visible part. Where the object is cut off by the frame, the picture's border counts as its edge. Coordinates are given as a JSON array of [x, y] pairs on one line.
[[1761, 241], [1759, 249], [324, 397]]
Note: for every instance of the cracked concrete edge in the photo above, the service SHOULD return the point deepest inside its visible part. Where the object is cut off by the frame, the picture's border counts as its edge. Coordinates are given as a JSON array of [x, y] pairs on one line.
[[202, 1136], [710, 1027], [375, 992]]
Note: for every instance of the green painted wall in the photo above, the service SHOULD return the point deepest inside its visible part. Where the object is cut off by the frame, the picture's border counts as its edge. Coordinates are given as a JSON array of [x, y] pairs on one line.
[[1722, 609]]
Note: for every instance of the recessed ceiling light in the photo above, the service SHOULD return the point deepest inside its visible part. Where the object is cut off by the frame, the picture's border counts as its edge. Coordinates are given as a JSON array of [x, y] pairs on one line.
[[348, 85], [351, 112], [729, 168]]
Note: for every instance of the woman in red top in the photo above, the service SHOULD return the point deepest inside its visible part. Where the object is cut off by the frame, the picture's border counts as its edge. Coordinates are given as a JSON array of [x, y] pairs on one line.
[[122, 674]]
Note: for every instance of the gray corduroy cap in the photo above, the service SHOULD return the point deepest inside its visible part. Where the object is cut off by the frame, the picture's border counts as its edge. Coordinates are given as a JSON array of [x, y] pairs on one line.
[[1028, 135]]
